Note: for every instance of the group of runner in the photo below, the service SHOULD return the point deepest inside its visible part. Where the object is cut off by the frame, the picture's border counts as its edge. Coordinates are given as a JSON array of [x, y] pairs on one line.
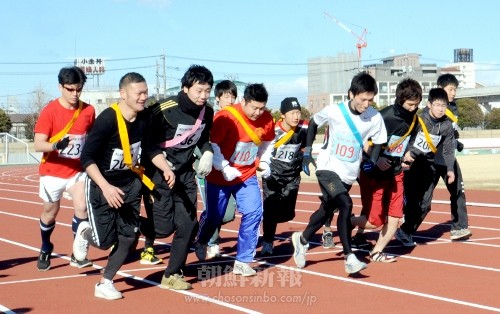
[[162, 153]]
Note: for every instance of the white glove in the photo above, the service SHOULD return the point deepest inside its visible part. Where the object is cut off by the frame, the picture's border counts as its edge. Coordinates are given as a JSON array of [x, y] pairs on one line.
[[205, 164], [265, 170], [230, 173], [168, 162]]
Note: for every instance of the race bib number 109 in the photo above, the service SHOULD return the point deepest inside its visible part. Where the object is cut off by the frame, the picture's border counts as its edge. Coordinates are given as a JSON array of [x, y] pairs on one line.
[[345, 148]]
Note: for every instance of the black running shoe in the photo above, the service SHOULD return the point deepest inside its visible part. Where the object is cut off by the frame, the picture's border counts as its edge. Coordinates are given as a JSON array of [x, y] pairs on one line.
[[43, 263], [359, 242], [80, 264]]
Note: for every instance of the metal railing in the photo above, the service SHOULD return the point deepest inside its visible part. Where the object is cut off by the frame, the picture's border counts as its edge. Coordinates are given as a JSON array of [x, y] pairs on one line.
[[15, 151]]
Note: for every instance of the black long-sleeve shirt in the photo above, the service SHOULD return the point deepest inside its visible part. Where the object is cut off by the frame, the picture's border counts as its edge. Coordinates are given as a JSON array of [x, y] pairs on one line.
[[103, 146]]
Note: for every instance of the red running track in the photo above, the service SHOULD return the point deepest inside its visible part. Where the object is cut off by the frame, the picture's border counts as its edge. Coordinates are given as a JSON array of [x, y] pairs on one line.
[[436, 276]]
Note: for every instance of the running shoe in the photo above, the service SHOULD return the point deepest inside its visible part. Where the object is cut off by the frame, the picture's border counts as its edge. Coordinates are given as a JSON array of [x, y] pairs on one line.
[[148, 257]]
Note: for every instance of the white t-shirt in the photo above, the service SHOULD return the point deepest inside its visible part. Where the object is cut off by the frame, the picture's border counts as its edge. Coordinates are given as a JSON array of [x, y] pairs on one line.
[[343, 154]]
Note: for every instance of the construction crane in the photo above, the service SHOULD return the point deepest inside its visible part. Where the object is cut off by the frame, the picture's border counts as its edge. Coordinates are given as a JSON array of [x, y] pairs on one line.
[[362, 43]]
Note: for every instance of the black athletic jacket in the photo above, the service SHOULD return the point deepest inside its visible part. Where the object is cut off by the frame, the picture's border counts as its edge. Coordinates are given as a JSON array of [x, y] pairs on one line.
[[172, 117], [444, 131], [439, 158], [286, 160], [397, 122]]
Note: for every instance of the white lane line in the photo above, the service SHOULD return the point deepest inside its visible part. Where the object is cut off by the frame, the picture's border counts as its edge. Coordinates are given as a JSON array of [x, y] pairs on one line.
[[433, 201], [491, 205], [127, 275], [18, 184], [6, 310], [410, 292], [390, 288], [42, 279]]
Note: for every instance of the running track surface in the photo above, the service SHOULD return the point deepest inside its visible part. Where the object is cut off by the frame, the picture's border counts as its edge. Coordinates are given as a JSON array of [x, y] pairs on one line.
[[436, 276]]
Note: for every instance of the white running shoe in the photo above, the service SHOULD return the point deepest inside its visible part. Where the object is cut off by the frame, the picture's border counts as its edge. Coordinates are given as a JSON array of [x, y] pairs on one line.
[[299, 250], [80, 245], [107, 291], [461, 234], [353, 265], [213, 251], [241, 268]]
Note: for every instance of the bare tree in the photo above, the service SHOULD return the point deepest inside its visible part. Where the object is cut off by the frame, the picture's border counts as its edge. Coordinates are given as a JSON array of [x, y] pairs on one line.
[[232, 76], [39, 99]]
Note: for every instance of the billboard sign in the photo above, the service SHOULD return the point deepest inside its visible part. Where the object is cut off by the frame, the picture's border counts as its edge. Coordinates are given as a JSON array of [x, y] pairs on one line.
[[93, 66]]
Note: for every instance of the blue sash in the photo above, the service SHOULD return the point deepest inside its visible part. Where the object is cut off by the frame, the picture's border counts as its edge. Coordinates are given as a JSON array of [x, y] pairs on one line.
[[350, 123]]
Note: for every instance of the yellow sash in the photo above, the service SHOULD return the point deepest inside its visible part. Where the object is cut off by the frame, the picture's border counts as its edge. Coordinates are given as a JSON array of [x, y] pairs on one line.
[[451, 116], [427, 136], [285, 138], [64, 131], [245, 125], [127, 156], [401, 139]]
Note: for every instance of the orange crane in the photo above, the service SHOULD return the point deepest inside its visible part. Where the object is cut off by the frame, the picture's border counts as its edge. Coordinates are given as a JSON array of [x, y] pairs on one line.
[[362, 43]]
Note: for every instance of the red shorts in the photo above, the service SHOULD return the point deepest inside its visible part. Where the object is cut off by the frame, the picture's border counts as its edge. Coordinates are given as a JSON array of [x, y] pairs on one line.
[[381, 198]]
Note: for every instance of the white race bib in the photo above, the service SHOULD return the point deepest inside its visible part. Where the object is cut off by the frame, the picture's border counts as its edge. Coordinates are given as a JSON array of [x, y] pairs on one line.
[[346, 148], [75, 147], [245, 153], [421, 142], [286, 152], [191, 139], [117, 162], [399, 150]]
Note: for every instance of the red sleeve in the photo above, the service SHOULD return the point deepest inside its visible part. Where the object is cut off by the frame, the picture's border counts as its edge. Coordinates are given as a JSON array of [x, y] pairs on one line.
[[270, 134], [220, 126], [44, 124]]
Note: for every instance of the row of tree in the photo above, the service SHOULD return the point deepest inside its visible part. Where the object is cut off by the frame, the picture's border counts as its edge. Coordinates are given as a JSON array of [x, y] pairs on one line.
[[472, 117]]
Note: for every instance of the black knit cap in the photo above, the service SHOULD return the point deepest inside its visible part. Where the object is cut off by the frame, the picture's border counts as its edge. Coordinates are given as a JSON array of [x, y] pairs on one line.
[[289, 103]]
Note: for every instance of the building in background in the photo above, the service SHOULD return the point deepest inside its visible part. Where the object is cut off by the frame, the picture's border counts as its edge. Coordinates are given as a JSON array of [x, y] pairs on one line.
[[463, 67], [393, 69], [329, 77], [100, 99]]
